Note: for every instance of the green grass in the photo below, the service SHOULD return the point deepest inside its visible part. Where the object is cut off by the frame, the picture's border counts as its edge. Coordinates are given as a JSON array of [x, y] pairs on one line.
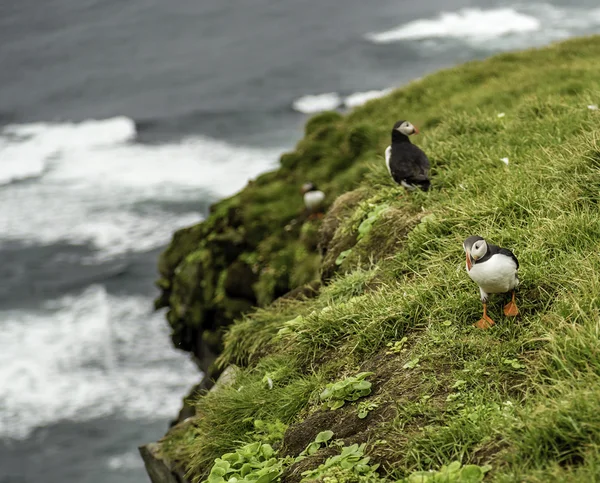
[[523, 397]]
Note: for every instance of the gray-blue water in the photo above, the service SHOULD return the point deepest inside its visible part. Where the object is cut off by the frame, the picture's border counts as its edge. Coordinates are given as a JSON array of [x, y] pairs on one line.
[[122, 121]]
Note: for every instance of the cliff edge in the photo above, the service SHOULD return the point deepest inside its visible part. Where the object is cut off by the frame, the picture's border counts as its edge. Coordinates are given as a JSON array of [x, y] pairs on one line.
[[349, 342]]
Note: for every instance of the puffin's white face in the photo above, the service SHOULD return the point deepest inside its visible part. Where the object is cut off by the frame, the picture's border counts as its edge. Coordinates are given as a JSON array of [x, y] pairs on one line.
[[306, 187], [479, 249], [407, 128]]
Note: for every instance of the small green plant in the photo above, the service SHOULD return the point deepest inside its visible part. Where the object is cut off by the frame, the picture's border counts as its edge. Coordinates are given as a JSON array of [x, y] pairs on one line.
[[267, 432], [396, 347], [291, 325], [412, 363], [453, 473], [422, 226], [321, 440], [254, 462], [342, 256], [514, 363], [365, 407], [459, 384], [350, 465], [365, 227], [336, 394]]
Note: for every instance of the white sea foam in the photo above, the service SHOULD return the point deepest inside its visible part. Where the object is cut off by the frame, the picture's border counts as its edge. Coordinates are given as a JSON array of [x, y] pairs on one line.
[[17, 164], [472, 23], [87, 356], [311, 104], [515, 26], [93, 181], [127, 461], [360, 98]]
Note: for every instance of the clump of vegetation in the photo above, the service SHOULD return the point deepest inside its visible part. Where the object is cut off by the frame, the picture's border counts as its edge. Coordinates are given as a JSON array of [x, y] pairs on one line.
[[397, 347], [523, 397], [267, 432], [251, 462], [453, 473], [321, 440], [365, 407], [258, 462], [352, 388], [350, 465]]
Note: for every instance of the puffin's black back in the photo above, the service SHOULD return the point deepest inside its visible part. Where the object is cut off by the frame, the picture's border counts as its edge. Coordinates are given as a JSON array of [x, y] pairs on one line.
[[408, 162], [496, 250]]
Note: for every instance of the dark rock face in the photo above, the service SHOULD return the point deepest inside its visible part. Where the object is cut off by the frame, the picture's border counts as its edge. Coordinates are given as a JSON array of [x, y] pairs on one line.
[[159, 469], [239, 281], [257, 245]]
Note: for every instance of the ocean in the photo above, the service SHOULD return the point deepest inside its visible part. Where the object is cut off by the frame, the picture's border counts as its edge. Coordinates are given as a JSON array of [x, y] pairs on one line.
[[121, 122]]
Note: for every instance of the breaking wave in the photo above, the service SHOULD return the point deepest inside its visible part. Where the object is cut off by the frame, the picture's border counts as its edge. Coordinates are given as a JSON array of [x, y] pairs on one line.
[[91, 177], [516, 26]]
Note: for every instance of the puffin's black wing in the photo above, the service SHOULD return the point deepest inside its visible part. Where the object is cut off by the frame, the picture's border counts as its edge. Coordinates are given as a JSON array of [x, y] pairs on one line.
[[508, 253], [496, 250], [409, 163]]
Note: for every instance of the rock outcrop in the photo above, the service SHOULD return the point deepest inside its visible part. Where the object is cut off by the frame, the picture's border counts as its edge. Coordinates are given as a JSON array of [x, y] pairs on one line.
[[255, 246]]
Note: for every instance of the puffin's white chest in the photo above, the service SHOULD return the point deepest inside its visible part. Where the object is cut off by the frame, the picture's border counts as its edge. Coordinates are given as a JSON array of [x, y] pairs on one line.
[[388, 156], [498, 274], [313, 200]]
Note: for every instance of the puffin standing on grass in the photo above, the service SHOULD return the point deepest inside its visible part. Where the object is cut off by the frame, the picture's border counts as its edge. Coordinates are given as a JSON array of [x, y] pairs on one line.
[[494, 269], [313, 200], [408, 165]]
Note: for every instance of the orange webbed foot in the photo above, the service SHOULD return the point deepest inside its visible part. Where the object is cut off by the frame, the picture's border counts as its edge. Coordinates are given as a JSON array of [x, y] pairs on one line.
[[511, 310], [484, 323]]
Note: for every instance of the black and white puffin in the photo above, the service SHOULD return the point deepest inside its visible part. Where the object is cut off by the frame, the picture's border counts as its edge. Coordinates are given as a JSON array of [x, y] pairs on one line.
[[407, 163], [494, 269], [313, 199]]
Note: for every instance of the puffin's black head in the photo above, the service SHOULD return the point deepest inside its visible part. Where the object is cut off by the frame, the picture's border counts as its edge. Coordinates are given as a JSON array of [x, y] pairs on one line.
[[404, 128], [475, 248], [306, 187]]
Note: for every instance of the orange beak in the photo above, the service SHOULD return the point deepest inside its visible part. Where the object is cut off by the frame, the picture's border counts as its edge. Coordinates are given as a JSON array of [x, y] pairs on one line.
[[469, 264], [416, 131]]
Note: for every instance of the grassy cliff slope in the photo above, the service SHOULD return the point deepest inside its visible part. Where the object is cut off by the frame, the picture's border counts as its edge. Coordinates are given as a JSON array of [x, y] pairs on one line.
[[519, 402]]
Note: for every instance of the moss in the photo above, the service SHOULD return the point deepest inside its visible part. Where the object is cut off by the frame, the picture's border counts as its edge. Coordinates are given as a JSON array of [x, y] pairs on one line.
[[239, 280], [335, 236], [309, 235], [323, 123], [360, 139], [306, 270]]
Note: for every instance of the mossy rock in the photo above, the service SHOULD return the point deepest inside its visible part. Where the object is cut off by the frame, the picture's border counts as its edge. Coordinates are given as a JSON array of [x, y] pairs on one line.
[[309, 235], [359, 139], [335, 236], [184, 241], [320, 125], [239, 280]]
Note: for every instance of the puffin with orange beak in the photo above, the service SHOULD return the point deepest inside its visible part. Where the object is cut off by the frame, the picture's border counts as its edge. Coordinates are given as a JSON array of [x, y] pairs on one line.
[[494, 269], [407, 164]]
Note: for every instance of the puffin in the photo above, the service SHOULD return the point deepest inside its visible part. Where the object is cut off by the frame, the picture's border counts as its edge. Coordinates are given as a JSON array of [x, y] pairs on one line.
[[494, 269], [408, 164], [313, 199]]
